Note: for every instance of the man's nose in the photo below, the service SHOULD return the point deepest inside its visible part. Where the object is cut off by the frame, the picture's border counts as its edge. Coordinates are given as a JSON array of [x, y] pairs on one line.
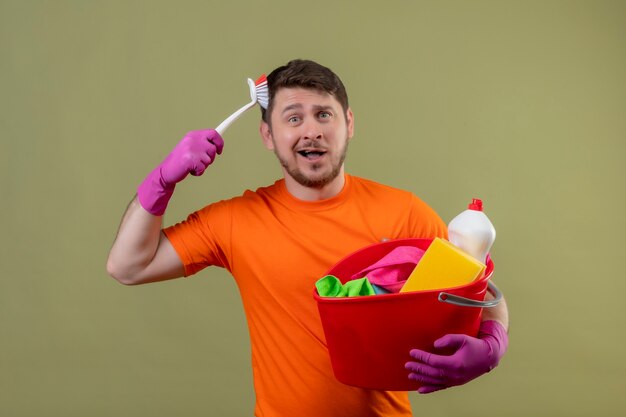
[[311, 130]]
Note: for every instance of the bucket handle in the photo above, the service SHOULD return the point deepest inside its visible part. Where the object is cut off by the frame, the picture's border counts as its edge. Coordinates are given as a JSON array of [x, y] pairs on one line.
[[445, 297]]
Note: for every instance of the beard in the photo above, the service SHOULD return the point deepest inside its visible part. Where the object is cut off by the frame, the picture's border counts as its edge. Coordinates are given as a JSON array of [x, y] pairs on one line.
[[314, 180]]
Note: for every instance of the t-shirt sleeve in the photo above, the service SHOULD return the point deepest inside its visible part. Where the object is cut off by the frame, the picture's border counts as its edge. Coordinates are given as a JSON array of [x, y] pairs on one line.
[[424, 221], [200, 240]]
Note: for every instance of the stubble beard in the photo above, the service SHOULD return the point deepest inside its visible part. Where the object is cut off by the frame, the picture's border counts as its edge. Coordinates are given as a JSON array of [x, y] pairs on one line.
[[313, 182]]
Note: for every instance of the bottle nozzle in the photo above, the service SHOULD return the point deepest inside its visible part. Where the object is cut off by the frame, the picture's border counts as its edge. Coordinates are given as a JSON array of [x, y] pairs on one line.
[[476, 204]]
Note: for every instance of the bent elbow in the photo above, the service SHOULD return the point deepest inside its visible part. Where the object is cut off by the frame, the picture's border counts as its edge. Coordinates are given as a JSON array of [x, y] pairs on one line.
[[117, 273]]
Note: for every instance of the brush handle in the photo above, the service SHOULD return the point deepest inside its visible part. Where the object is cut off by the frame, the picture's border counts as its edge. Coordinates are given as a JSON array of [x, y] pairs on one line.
[[226, 123]]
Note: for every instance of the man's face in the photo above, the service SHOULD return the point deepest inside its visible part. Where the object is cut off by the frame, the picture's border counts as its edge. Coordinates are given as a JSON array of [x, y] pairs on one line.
[[309, 134]]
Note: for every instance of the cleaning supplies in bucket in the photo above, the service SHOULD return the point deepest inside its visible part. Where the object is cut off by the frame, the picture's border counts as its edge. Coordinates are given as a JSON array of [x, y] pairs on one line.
[[331, 286], [392, 270], [406, 269], [472, 231], [386, 275], [380, 331], [462, 259], [443, 266]]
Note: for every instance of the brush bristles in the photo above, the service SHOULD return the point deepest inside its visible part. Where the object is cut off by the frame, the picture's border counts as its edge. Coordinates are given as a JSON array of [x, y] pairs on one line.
[[262, 92]]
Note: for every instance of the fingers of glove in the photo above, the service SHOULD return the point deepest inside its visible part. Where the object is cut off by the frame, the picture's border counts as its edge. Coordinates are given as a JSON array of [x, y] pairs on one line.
[[198, 169], [197, 150], [207, 158], [202, 163], [420, 355], [427, 389], [215, 138], [435, 361], [195, 162], [451, 341], [208, 144], [429, 384], [424, 370], [424, 379]]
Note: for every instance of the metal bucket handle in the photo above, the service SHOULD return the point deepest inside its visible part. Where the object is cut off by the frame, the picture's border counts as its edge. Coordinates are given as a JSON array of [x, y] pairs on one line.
[[445, 297]]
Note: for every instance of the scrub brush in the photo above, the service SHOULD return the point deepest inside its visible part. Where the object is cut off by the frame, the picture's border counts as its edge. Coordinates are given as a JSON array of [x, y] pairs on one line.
[[258, 94]]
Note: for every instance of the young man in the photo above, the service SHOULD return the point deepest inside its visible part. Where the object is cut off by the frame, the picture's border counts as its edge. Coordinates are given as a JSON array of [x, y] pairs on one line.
[[278, 240]]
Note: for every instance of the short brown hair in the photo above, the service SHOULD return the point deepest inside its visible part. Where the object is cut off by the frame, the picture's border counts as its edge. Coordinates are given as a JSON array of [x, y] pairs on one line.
[[304, 74]]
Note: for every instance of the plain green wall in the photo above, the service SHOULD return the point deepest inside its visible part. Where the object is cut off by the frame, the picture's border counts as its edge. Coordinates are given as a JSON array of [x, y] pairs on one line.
[[521, 103]]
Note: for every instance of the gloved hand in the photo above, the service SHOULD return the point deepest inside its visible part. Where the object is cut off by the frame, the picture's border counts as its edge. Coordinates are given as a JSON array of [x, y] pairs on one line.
[[193, 154], [472, 357]]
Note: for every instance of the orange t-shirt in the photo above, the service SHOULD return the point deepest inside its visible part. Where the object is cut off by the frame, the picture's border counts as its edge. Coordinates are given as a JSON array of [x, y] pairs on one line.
[[277, 247]]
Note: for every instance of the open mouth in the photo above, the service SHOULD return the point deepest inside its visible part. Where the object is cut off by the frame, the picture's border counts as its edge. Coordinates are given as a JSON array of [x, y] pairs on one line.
[[312, 154]]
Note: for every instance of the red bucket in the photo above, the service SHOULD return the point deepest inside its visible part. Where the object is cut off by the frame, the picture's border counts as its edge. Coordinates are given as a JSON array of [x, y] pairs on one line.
[[369, 337]]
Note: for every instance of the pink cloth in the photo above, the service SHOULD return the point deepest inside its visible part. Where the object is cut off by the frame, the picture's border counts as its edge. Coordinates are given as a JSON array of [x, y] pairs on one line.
[[393, 269]]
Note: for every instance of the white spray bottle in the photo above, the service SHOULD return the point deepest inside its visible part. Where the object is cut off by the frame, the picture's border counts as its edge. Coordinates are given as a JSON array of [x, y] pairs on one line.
[[472, 231]]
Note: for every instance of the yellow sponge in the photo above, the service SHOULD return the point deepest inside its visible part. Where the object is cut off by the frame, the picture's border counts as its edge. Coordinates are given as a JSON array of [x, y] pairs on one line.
[[443, 266]]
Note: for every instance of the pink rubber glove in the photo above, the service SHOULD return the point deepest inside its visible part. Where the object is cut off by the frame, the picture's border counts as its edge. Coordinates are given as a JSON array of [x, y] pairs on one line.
[[193, 154], [472, 357]]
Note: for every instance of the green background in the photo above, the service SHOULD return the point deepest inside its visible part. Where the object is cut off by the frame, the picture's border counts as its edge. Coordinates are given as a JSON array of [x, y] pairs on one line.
[[520, 103]]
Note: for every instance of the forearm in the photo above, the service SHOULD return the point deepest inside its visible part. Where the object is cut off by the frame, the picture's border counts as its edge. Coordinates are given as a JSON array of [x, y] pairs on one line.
[[136, 243], [499, 313], [471, 357]]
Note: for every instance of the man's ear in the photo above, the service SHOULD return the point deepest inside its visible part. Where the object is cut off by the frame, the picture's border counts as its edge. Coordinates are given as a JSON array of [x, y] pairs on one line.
[[266, 135], [350, 122]]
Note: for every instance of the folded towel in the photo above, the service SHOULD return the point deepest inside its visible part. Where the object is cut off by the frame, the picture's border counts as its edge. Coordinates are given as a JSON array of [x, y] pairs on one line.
[[330, 286], [393, 269]]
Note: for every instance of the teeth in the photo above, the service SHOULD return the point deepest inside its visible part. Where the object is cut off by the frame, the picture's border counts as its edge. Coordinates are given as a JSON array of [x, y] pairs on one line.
[[310, 153]]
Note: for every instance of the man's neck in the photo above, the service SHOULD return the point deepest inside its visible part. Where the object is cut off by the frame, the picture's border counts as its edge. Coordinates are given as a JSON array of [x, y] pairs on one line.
[[305, 193]]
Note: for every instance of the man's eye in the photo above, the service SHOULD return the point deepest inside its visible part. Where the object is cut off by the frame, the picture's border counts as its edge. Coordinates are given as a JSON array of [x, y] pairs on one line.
[[324, 115], [293, 119]]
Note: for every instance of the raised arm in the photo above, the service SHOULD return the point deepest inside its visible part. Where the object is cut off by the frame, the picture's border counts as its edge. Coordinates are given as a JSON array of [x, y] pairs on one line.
[[141, 253]]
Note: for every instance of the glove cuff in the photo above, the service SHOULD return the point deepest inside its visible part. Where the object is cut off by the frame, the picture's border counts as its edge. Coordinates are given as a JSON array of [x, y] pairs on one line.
[[496, 335], [153, 194]]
